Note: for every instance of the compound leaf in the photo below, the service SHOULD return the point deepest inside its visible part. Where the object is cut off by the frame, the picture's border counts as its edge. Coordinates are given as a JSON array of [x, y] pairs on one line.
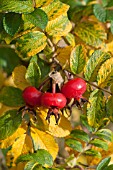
[[92, 152]]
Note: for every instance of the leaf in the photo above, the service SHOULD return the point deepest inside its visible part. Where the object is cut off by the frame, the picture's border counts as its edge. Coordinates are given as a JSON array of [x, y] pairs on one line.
[[105, 73], [99, 143], [91, 33], [22, 145], [8, 59], [61, 130], [42, 3], [100, 12], [11, 139], [33, 74], [18, 76], [111, 27], [95, 108], [30, 44], [70, 39], [59, 26], [84, 121], [74, 144], [77, 59], [38, 18], [30, 165], [11, 96], [43, 140], [110, 167], [11, 22], [109, 106], [16, 6], [55, 9], [79, 134], [9, 123], [105, 134], [92, 152], [63, 56], [42, 157], [94, 63], [103, 163]]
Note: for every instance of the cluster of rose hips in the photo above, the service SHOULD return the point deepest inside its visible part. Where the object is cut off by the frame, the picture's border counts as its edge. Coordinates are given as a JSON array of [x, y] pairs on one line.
[[54, 101]]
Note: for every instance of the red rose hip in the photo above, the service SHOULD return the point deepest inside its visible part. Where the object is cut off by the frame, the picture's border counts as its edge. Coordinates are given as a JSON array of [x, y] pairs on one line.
[[74, 88], [53, 100], [31, 96]]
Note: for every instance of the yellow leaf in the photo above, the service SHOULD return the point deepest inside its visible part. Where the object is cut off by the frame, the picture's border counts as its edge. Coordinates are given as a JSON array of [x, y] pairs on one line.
[[9, 81], [2, 78], [63, 56], [108, 46], [19, 77], [11, 139], [42, 3], [43, 140], [55, 9], [22, 145], [59, 26], [19, 166], [61, 130], [105, 73]]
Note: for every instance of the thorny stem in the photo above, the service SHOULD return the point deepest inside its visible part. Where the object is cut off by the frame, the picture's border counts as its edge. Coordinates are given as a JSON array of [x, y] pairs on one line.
[[43, 83]]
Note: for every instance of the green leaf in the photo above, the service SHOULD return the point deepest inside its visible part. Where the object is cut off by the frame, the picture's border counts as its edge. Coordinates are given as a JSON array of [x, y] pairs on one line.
[[99, 12], [84, 121], [41, 3], [94, 63], [91, 33], [92, 152], [99, 143], [79, 134], [8, 59], [30, 44], [109, 106], [111, 27], [11, 22], [9, 123], [105, 134], [78, 59], [95, 108], [110, 167], [33, 74], [38, 18], [30, 165], [11, 96], [42, 157], [109, 15], [105, 73], [74, 144], [17, 6], [103, 163]]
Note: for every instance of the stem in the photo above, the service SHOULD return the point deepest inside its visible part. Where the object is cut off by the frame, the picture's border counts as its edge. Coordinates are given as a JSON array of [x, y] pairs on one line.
[[54, 87], [43, 83]]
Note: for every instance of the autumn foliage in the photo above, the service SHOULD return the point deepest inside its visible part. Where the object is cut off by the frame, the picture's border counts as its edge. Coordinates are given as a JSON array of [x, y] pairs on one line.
[[44, 44]]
